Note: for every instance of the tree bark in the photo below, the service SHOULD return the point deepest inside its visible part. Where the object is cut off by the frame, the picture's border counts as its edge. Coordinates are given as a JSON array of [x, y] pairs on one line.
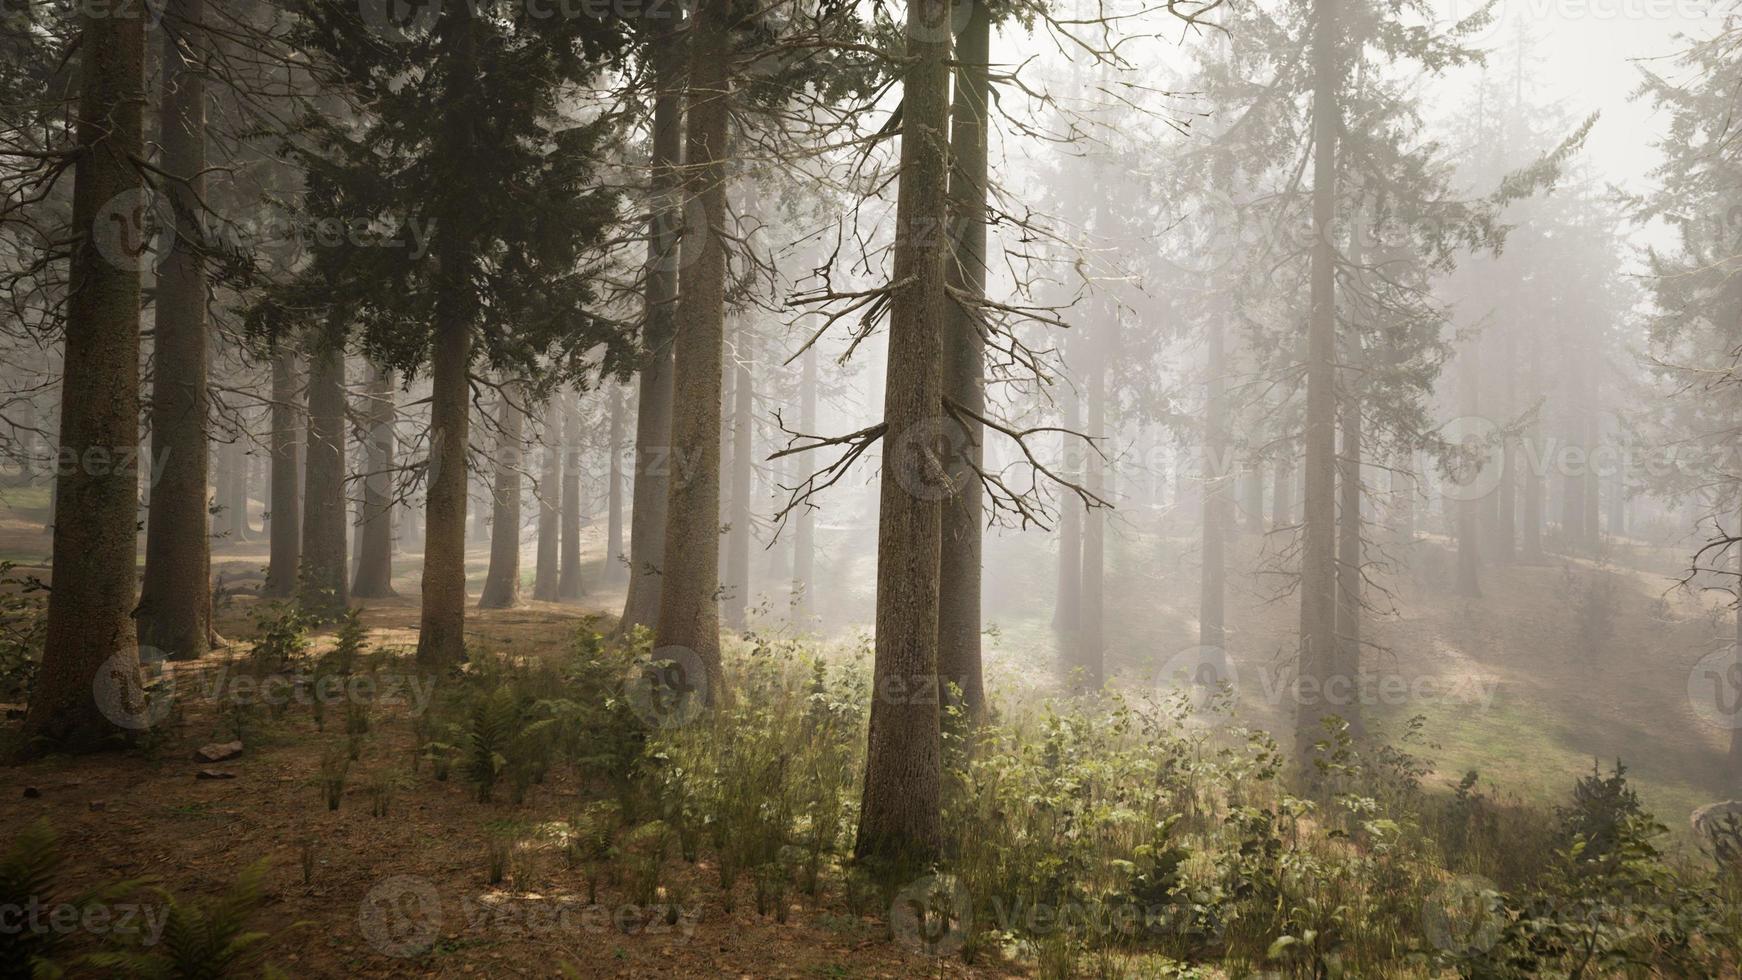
[[900, 822], [689, 616], [1091, 641], [614, 555], [90, 649], [286, 505], [175, 604], [569, 585], [1347, 675], [654, 458], [1318, 608], [1068, 601], [323, 584], [1212, 576], [735, 591], [375, 538], [550, 479], [960, 567], [502, 582], [804, 539], [441, 634]]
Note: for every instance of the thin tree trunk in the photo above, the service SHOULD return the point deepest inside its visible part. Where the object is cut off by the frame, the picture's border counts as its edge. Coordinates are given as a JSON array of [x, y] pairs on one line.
[[1254, 490], [614, 556], [900, 822], [502, 582], [236, 505], [287, 428], [323, 584], [735, 593], [959, 571], [175, 604], [1092, 633], [375, 539], [1318, 608], [1465, 510], [88, 687], [1212, 575], [654, 458], [1733, 765], [1281, 514], [689, 616], [1347, 676], [804, 540], [544, 583], [1068, 601], [569, 586], [1532, 478], [1506, 491]]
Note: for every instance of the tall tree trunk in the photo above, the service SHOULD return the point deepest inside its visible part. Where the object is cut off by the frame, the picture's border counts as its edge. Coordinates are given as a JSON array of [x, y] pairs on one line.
[[1532, 477], [959, 570], [550, 479], [175, 604], [1318, 608], [1505, 490], [1091, 646], [286, 504], [1733, 765], [614, 556], [900, 820], [1281, 514], [1253, 488], [502, 582], [88, 687], [735, 591], [1347, 675], [441, 634], [236, 506], [654, 458], [804, 540], [1068, 601], [1212, 575], [689, 616], [323, 584], [569, 586], [375, 541], [1467, 511]]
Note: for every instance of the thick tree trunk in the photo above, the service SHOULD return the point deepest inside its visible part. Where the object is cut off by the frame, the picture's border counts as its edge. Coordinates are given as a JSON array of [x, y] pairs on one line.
[[175, 605], [375, 537], [804, 539], [959, 570], [550, 479], [614, 555], [1318, 609], [441, 635], [286, 504], [323, 584], [569, 586], [88, 688], [654, 459], [900, 822], [502, 582], [735, 590], [1212, 575], [689, 616]]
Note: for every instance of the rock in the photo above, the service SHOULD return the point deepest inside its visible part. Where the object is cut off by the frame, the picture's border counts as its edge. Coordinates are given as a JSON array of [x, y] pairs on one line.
[[1706, 819], [219, 752], [214, 774], [31, 792]]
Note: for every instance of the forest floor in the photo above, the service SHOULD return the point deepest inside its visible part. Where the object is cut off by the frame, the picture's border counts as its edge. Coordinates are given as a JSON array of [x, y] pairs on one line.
[[1559, 664]]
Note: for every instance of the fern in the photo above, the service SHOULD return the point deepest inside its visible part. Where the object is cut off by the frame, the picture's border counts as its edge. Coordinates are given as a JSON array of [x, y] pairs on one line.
[[202, 940], [494, 718]]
